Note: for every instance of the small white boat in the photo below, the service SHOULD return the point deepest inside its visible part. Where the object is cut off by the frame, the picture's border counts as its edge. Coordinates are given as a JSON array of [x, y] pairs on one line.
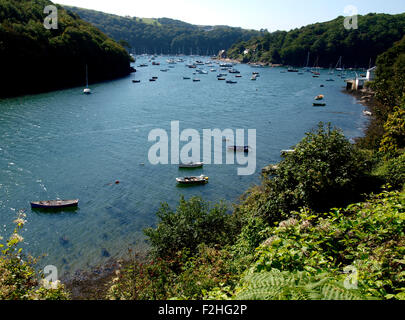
[[287, 152], [193, 180], [367, 113], [87, 90], [191, 165]]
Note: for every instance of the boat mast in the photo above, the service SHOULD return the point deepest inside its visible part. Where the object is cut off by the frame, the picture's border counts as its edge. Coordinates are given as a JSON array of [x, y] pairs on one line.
[[339, 63], [87, 77], [307, 66]]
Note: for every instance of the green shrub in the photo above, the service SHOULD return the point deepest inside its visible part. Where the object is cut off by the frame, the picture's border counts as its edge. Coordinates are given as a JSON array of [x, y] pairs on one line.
[[369, 236], [195, 222], [143, 279], [181, 277], [394, 137], [18, 278], [393, 171]]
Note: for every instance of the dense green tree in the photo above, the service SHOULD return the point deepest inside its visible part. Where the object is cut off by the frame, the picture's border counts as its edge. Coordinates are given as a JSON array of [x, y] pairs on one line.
[[326, 42], [165, 35], [34, 59]]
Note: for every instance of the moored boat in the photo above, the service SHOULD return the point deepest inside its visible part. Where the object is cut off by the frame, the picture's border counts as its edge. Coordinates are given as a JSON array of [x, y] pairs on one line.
[[193, 180], [239, 148], [87, 90], [55, 204], [191, 165], [286, 152], [234, 71]]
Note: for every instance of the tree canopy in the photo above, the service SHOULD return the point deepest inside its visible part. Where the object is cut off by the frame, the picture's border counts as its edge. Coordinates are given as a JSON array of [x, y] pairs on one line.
[[326, 42], [34, 59], [165, 35]]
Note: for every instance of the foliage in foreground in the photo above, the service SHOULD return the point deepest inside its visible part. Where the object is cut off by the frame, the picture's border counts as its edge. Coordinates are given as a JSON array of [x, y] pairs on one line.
[[277, 285], [367, 237], [187, 258], [194, 222], [18, 278], [183, 276]]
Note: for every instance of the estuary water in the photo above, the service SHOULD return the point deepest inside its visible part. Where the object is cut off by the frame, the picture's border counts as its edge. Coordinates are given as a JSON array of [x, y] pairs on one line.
[[67, 145]]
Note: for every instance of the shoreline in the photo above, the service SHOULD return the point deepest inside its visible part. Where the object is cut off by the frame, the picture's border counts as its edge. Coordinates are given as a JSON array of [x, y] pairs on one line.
[[228, 60]]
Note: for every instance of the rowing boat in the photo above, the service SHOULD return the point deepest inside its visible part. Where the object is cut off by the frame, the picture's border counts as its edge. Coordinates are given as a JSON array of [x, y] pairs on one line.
[[55, 204], [193, 180], [191, 165]]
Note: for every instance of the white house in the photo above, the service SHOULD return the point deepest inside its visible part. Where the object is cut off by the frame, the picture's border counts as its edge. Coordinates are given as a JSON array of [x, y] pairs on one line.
[[359, 82], [371, 74]]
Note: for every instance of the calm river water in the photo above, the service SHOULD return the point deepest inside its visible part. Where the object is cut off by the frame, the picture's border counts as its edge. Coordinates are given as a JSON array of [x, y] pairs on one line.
[[67, 145]]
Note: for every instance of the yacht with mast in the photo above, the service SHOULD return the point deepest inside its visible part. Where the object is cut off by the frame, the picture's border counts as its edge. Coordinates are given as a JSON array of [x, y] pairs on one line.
[[87, 90]]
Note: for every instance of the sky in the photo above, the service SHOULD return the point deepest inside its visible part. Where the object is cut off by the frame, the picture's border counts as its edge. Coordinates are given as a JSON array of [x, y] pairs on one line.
[[249, 14]]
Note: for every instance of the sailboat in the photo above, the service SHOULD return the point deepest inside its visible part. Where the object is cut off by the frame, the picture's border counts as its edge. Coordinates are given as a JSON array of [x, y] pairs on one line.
[[339, 64], [87, 90], [307, 68]]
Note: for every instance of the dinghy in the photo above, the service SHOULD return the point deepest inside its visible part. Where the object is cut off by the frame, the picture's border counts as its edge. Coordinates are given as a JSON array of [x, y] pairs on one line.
[[239, 148], [55, 204], [193, 180], [191, 165]]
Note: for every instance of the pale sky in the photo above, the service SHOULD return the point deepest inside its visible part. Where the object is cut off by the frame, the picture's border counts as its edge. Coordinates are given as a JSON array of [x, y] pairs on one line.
[[250, 14]]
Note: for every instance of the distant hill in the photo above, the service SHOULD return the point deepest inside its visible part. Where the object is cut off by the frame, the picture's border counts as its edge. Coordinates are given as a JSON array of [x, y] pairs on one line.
[[165, 35], [326, 42], [34, 59]]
